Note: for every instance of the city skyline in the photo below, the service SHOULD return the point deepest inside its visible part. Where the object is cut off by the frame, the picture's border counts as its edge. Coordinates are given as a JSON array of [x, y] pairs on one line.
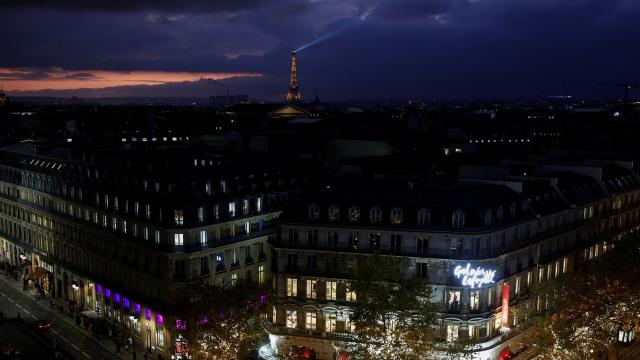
[[373, 49]]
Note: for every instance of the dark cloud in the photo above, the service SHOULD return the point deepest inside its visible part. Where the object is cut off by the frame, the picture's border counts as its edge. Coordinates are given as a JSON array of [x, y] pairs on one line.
[[134, 5], [403, 48]]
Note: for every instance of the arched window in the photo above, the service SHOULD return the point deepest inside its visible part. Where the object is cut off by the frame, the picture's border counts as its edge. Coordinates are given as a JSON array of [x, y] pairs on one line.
[[487, 217], [396, 216], [513, 209], [354, 214], [457, 219], [424, 217], [334, 212], [500, 213], [314, 212], [375, 214]]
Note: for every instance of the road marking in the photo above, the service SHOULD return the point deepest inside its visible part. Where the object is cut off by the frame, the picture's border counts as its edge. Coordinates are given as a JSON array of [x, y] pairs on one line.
[[53, 331], [1, 293], [75, 347], [63, 338], [19, 307], [85, 354], [10, 299]]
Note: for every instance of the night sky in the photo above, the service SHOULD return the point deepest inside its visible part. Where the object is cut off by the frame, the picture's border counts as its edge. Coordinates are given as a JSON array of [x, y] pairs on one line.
[[393, 49]]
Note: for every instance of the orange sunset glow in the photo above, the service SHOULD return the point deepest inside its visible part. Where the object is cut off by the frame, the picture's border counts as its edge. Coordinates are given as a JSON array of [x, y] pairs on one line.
[[30, 79]]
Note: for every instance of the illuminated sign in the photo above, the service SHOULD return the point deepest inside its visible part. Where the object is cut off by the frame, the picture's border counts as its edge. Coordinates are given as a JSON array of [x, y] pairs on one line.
[[474, 277], [505, 306]]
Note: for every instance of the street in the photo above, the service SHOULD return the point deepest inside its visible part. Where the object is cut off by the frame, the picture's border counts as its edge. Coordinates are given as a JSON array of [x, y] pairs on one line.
[[62, 332]]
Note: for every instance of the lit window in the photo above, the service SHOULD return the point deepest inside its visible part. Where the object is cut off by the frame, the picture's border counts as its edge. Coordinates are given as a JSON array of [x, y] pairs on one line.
[[350, 293], [261, 274], [160, 338], [179, 217], [157, 236], [396, 216], [312, 289], [474, 300], [330, 322], [245, 206], [565, 265], [292, 319], [453, 302], [232, 209], [203, 237], [234, 279], [529, 278], [292, 287], [178, 239], [332, 287], [310, 321], [517, 289], [452, 332]]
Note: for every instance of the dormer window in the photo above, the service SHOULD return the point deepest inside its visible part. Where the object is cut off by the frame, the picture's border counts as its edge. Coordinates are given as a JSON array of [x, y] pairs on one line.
[[513, 209], [334, 212], [488, 217], [500, 213], [525, 205], [375, 214], [314, 212], [396, 216], [354, 214], [424, 217], [457, 219]]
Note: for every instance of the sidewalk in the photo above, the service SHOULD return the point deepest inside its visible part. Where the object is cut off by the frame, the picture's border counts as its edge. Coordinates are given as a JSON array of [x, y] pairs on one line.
[[105, 342]]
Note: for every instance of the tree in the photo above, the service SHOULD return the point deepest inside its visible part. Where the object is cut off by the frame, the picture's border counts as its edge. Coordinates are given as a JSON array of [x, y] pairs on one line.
[[392, 316], [223, 322], [589, 305]]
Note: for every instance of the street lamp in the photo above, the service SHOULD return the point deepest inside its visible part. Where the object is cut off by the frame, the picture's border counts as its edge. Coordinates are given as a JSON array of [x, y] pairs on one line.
[[74, 286], [132, 321]]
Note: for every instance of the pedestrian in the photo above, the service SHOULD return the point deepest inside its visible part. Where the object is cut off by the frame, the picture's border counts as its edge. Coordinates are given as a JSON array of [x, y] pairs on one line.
[[78, 319], [118, 346]]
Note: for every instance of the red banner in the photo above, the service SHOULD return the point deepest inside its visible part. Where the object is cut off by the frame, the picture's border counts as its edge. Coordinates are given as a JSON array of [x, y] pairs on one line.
[[505, 305]]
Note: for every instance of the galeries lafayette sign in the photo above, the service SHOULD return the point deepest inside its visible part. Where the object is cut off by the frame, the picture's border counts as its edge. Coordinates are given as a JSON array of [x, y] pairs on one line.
[[474, 277]]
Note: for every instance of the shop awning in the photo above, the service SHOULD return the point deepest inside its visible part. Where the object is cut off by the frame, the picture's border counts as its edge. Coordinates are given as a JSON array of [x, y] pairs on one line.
[[90, 314], [38, 273]]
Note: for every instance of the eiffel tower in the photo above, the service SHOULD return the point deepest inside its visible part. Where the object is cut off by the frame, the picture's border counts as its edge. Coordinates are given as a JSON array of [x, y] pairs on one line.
[[293, 95]]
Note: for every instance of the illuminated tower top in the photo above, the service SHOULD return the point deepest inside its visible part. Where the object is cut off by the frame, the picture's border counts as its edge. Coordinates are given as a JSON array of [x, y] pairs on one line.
[[293, 95]]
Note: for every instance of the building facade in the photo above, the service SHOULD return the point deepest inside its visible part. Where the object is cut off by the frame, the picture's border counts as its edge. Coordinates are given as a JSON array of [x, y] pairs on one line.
[[480, 245], [120, 234]]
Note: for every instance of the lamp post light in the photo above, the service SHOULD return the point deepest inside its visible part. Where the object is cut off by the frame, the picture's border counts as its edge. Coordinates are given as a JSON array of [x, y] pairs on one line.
[[74, 286], [132, 321]]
